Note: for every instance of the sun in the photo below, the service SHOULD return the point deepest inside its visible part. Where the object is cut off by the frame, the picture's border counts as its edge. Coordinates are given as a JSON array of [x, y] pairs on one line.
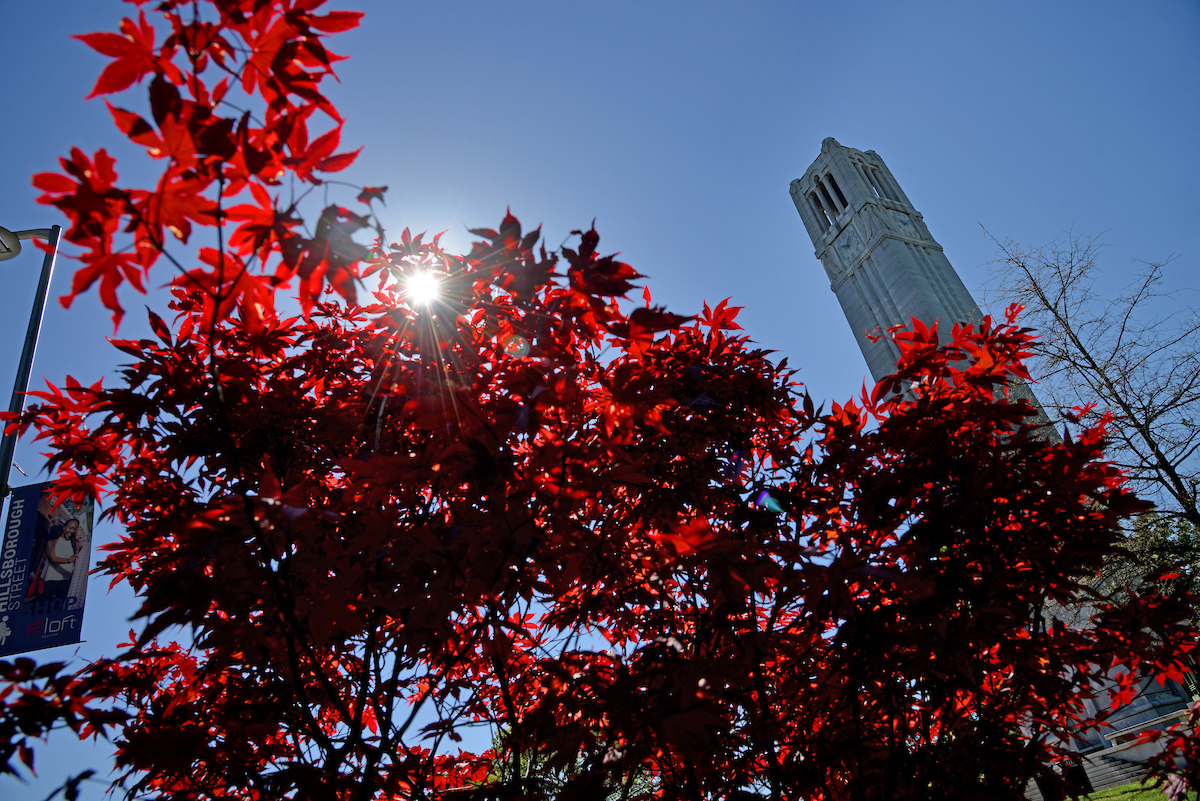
[[423, 288]]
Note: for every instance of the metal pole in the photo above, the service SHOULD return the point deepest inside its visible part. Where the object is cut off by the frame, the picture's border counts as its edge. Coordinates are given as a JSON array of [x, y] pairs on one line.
[[17, 404]]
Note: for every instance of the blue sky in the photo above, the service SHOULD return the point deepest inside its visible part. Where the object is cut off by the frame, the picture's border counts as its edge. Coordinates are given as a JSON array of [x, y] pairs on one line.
[[677, 127]]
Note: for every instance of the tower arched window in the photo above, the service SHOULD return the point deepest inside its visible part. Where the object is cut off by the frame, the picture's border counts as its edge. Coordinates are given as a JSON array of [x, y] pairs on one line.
[[878, 184], [819, 210], [830, 207], [837, 191]]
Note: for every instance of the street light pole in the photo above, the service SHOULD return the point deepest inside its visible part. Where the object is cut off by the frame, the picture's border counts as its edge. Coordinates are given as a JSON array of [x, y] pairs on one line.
[[10, 246]]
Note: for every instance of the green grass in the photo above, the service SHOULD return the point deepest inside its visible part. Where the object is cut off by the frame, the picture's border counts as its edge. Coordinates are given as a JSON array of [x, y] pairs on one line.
[[1133, 792]]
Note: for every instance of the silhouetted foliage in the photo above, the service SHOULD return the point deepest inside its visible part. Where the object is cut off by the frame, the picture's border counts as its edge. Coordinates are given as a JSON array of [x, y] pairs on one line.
[[622, 538]]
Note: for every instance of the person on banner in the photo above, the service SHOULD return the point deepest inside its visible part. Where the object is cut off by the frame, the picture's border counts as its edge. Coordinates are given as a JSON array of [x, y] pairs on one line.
[[59, 565], [50, 518]]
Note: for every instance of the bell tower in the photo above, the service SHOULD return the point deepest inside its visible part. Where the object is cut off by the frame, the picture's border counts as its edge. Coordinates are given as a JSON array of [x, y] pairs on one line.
[[883, 264]]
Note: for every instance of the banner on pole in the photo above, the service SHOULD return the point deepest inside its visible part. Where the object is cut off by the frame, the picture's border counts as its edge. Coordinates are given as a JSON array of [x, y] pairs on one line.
[[45, 553]]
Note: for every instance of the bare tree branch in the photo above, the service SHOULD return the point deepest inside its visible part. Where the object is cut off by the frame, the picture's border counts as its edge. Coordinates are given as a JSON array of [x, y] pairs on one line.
[[1136, 354]]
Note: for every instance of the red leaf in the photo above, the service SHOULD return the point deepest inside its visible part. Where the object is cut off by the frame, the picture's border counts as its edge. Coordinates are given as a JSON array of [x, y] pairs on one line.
[[336, 21], [134, 54], [370, 193], [339, 162], [118, 76]]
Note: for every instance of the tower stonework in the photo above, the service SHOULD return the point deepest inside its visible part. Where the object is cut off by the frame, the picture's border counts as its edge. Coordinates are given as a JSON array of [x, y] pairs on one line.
[[883, 264]]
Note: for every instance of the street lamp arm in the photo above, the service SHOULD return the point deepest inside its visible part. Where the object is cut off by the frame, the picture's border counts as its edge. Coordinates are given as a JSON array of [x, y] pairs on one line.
[[10, 241], [10, 245]]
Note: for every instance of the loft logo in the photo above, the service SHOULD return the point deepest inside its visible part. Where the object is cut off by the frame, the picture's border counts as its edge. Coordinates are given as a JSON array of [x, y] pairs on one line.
[[50, 626]]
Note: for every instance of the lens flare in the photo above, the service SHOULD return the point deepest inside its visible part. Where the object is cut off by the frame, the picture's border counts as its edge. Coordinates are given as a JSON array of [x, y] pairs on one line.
[[765, 501], [423, 288], [515, 345]]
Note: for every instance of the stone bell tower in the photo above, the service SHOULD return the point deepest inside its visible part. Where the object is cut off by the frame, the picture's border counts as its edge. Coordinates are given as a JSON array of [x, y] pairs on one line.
[[883, 264]]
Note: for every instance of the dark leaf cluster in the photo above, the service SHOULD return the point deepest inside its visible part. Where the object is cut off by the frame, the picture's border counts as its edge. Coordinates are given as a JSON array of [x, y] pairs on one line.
[[621, 540]]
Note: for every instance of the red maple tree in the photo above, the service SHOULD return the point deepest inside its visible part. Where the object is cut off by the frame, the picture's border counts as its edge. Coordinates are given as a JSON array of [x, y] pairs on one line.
[[622, 540]]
